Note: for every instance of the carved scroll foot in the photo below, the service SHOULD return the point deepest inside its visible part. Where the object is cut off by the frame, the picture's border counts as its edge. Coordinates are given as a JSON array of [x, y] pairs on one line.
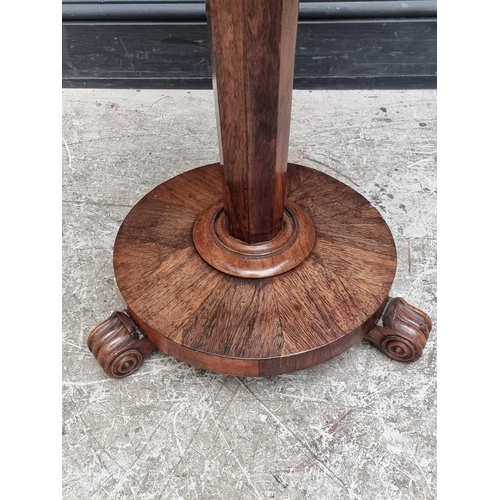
[[119, 346], [405, 331]]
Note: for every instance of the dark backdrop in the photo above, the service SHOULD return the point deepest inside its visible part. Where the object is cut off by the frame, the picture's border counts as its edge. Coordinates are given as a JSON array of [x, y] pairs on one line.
[[164, 44]]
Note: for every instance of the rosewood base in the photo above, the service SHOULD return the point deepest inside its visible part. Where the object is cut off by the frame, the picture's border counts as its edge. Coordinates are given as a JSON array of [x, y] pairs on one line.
[[255, 326]]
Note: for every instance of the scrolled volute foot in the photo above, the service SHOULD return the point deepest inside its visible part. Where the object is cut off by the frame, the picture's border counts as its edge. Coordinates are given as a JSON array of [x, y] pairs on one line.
[[404, 332], [119, 346]]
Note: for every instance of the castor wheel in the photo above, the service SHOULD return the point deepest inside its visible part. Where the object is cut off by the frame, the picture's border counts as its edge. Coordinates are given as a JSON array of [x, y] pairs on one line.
[[404, 332], [119, 345]]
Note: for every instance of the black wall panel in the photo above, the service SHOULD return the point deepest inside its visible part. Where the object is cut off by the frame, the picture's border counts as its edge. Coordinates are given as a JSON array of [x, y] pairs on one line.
[[356, 47]]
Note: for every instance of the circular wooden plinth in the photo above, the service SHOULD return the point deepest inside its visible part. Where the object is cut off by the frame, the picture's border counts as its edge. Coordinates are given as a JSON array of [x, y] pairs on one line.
[[254, 327], [258, 260]]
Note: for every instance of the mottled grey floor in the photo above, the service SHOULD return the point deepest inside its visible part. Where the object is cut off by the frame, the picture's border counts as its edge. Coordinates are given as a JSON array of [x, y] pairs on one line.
[[359, 427]]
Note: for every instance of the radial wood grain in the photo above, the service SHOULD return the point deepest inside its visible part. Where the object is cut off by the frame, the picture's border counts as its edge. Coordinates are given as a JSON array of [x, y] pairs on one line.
[[254, 327]]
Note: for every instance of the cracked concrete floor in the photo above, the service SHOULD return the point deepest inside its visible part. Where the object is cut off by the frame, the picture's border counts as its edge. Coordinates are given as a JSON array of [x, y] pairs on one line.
[[358, 427]]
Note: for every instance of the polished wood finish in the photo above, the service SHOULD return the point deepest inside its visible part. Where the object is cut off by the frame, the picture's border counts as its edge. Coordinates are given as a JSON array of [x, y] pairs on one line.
[[252, 266], [254, 327], [119, 346], [253, 48], [405, 331], [258, 260]]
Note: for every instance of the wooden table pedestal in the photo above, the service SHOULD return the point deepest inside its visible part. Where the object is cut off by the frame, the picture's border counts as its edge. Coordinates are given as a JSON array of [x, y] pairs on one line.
[[254, 266]]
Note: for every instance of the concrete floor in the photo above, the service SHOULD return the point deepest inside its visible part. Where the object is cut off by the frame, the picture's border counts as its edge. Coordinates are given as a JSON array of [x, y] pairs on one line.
[[358, 427]]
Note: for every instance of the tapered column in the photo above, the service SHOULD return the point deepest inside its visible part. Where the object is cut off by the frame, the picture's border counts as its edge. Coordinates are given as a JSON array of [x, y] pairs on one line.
[[253, 50], [254, 232]]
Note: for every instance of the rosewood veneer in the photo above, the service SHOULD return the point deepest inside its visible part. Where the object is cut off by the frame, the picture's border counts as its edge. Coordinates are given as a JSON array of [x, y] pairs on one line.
[[254, 266]]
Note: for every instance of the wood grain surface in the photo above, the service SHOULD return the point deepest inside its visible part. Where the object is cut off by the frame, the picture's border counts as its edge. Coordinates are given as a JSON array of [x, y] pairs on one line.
[[254, 327], [254, 260], [118, 345], [404, 332], [253, 48]]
